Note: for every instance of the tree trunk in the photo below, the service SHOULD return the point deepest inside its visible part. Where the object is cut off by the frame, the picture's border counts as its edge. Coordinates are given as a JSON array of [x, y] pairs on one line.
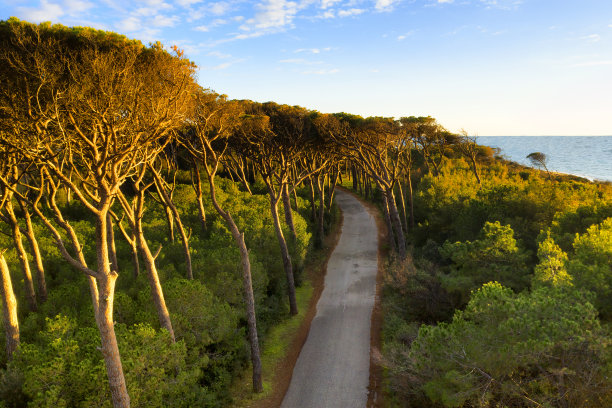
[[197, 187], [40, 269], [104, 317], [170, 205], [157, 293], [332, 190], [403, 206], [397, 224], [321, 217], [475, 168], [169, 222], [313, 209], [285, 254], [390, 236], [112, 250], [247, 285], [288, 211], [23, 257], [9, 309], [410, 198]]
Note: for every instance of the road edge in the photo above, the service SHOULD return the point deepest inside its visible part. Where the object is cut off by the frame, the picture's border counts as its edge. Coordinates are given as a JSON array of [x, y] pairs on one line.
[[375, 394]]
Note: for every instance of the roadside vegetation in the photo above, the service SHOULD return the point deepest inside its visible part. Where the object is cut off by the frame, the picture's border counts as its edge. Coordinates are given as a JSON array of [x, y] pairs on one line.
[[155, 235]]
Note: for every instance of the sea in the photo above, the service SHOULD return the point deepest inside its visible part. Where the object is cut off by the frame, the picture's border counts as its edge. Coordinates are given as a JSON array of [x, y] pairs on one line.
[[584, 156]]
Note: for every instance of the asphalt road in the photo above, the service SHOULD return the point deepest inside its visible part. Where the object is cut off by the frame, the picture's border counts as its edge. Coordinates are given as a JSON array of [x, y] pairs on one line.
[[333, 367]]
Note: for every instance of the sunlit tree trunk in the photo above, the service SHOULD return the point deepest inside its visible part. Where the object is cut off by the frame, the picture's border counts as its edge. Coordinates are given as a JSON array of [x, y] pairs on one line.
[[169, 204], [112, 250], [9, 309], [40, 269], [288, 211], [107, 279], [284, 254], [22, 255], [197, 186]]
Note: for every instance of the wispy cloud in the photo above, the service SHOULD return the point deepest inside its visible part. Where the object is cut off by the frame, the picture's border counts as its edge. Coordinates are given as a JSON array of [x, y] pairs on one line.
[[312, 50], [300, 61], [350, 12], [47, 11], [273, 15], [385, 5], [404, 36]]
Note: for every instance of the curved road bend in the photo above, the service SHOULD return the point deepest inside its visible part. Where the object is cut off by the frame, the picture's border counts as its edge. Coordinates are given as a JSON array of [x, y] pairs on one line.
[[333, 367]]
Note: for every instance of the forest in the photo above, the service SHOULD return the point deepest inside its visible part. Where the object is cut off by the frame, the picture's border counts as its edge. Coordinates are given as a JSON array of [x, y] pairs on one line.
[[155, 232]]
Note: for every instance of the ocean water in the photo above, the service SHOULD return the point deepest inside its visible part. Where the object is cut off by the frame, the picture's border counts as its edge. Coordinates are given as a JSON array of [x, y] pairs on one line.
[[585, 156]]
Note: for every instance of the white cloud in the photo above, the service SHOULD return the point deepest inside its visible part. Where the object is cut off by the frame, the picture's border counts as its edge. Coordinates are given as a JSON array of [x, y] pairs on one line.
[[187, 3], [46, 12], [164, 21], [130, 24], [219, 8], [77, 6], [326, 15], [445, 1], [328, 3], [300, 61], [145, 11], [273, 14], [219, 55], [202, 28], [385, 5], [350, 12]]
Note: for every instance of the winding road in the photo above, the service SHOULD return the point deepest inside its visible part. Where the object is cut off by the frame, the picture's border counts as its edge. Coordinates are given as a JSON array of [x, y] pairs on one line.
[[333, 367]]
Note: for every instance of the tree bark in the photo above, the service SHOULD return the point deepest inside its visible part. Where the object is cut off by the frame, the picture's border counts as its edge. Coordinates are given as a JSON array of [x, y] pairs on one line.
[[410, 198], [284, 254], [313, 208], [332, 189], [169, 204], [321, 216], [23, 257], [397, 224], [40, 269], [288, 211], [197, 187], [247, 285], [106, 280], [403, 206], [9, 309], [390, 236], [112, 250], [157, 293]]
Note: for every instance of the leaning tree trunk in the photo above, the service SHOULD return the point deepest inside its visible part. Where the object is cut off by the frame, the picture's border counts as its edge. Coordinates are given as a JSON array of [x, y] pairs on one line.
[[397, 223], [9, 309], [247, 285], [112, 249], [411, 201], [40, 269], [106, 280], [332, 189], [148, 258], [185, 240], [475, 168], [284, 254], [197, 187], [390, 236], [313, 205], [23, 257], [400, 191], [321, 217], [288, 211]]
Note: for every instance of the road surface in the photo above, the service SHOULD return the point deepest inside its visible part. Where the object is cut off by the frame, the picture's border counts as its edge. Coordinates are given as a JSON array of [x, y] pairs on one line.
[[333, 367]]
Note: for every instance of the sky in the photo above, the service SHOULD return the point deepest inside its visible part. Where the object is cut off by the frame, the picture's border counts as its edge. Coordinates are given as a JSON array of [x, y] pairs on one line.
[[491, 67]]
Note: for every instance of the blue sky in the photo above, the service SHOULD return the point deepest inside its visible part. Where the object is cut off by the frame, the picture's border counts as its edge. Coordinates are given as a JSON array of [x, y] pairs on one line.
[[493, 67]]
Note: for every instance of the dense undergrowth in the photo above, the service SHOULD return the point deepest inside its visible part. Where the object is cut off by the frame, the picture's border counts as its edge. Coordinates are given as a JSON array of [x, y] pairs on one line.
[[58, 363], [506, 300]]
